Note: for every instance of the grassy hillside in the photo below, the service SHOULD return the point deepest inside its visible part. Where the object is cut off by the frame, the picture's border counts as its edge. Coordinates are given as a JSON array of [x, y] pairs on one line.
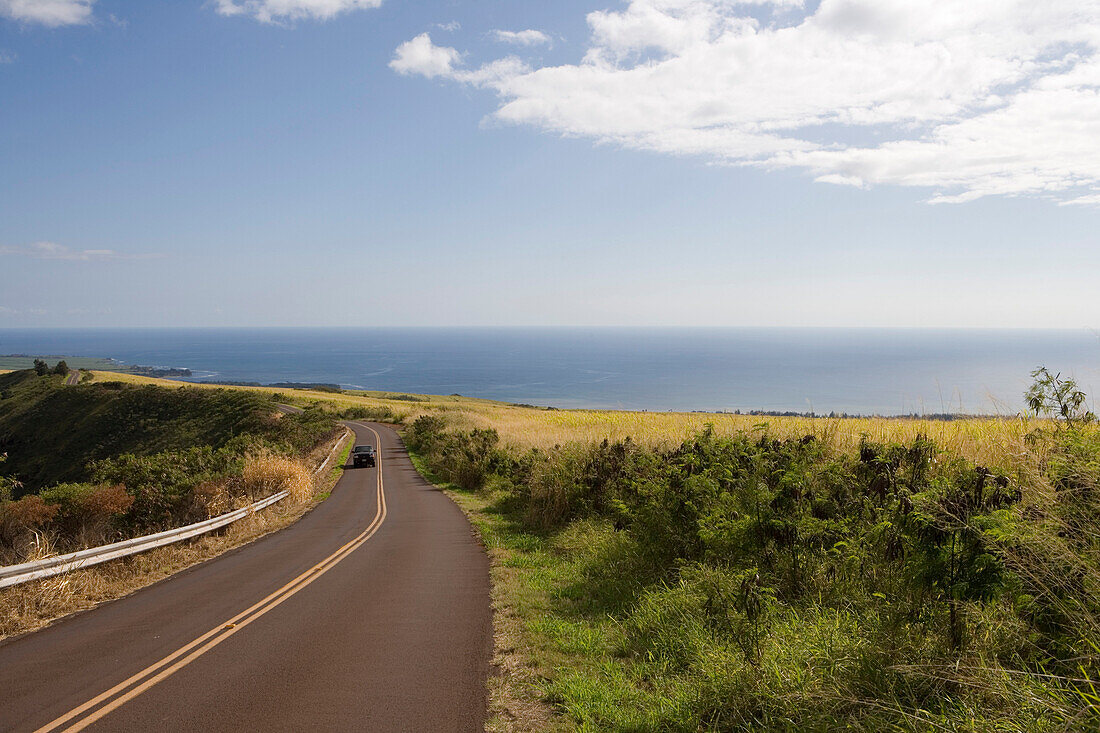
[[85, 464], [662, 571], [987, 440], [52, 433]]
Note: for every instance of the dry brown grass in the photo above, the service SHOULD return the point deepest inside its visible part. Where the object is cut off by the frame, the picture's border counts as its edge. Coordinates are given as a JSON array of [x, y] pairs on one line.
[[267, 474], [992, 441], [36, 604]]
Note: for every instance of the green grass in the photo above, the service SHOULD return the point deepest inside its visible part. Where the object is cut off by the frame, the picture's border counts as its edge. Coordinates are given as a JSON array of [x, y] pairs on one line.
[[569, 654], [341, 461]]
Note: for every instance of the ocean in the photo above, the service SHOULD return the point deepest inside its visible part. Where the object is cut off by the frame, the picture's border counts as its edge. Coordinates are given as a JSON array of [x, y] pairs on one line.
[[858, 371]]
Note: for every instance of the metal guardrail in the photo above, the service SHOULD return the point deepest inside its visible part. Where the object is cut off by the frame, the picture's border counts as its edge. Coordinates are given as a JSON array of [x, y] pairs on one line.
[[38, 569], [50, 566]]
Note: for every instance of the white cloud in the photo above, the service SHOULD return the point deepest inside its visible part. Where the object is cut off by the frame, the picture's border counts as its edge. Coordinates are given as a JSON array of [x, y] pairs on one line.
[[279, 11], [50, 13], [988, 97], [529, 37], [1087, 200], [54, 251], [421, 56]]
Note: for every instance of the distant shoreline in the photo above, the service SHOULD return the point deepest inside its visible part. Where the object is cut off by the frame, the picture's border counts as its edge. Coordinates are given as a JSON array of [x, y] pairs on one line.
[[16, 361], [767, 371]]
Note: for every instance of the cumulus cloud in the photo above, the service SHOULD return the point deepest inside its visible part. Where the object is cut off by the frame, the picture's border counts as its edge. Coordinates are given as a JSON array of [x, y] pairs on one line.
[[54, 251], [50, 13], [529, 37], [421, 56], [988, 97], [279, 11]]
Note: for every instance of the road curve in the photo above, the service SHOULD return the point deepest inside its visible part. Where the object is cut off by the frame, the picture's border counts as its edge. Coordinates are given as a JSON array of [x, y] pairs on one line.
[[371, 613]]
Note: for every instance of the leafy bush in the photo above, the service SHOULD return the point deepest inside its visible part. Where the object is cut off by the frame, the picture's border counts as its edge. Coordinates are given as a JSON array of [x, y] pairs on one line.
[[161, 484], [423, 434], [465, 459]]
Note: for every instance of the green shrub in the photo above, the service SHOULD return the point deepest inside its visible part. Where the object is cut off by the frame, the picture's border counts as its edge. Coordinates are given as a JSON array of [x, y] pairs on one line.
[[464, 459], [424, 433], [161, 484]]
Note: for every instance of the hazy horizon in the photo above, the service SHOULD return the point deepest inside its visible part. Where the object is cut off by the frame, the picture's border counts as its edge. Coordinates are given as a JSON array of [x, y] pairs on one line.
[[852, 370]]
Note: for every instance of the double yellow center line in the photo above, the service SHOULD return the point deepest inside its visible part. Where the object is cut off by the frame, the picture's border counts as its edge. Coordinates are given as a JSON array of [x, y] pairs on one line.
[[80, 717]]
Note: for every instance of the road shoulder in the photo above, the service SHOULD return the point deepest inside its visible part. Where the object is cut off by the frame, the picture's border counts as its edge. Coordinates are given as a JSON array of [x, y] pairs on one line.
[[517, 686]]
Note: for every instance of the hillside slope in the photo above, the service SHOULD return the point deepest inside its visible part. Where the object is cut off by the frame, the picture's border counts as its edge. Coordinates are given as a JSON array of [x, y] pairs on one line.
[[51, 432]]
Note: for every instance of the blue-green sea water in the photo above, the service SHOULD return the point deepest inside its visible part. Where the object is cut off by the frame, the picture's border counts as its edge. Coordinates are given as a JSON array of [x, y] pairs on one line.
[[866, 371]]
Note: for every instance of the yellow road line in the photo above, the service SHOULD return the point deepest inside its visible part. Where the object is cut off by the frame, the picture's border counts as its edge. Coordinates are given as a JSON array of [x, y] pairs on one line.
[[126, 690]]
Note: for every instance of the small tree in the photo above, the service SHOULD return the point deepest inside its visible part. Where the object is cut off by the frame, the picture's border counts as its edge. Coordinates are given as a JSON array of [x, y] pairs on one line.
[[62, 368], [1060, 398], [41, 368]]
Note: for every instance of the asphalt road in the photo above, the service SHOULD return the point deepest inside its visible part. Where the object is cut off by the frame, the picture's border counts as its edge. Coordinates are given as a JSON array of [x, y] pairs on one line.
[[73, 378], [371, 613]]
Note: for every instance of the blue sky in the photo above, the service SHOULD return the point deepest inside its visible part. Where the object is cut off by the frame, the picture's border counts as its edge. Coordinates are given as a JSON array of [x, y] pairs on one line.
[[654, 162]]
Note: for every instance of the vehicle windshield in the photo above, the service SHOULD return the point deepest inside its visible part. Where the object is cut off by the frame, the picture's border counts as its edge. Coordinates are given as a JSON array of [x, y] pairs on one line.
[[364, 449]]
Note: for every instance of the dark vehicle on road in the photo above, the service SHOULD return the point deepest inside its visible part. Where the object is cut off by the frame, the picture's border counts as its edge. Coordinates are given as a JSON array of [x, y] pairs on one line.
[[363, 455]]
